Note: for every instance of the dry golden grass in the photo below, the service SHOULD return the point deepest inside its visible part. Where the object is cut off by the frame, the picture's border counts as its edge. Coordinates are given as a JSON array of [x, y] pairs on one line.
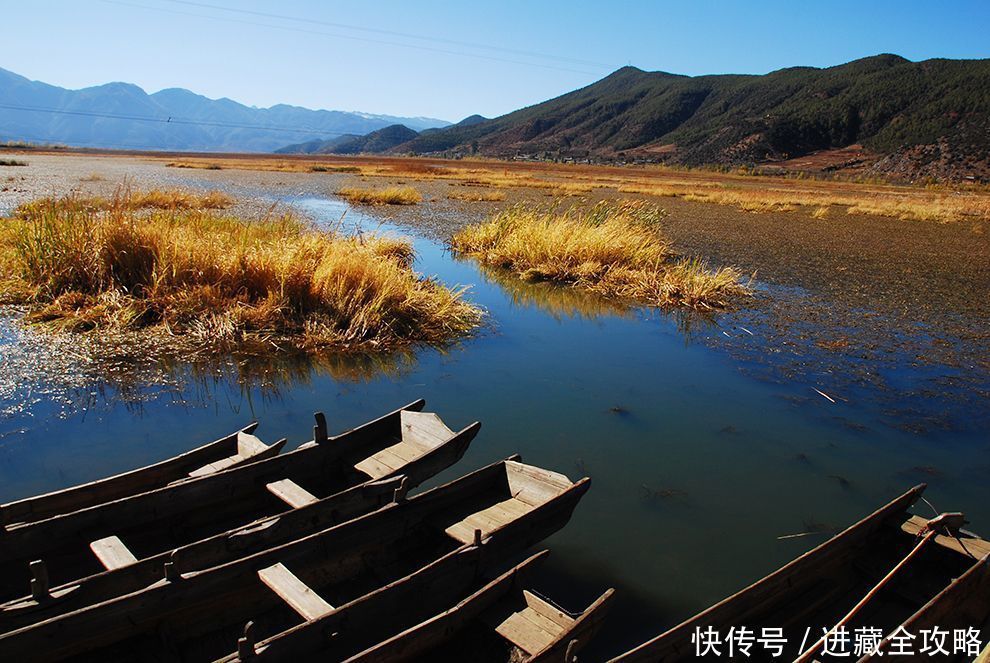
[[743, 189], [124, 198], [218, 280], [391, 195], [477, 196], [613, 248]]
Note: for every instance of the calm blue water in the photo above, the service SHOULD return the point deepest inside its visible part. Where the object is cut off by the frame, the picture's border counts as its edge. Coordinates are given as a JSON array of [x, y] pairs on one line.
[[697, 467]]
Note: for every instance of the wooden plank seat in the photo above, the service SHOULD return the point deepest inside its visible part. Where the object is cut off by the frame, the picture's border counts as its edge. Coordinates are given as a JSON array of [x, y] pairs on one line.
[[534, 627], [291, 493], [295, 592], [489, 519], [112, 553], [249, 447], [422, 432]]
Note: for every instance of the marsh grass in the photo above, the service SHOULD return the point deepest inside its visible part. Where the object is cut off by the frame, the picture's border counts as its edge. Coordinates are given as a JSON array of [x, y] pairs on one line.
[[613, 248], [743, 189], [126, 199], [215, 280], [391, 195], [477, 196]]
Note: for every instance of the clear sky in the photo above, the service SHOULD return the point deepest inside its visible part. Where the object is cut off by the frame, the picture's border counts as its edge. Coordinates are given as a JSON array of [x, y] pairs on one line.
[[452, 59]]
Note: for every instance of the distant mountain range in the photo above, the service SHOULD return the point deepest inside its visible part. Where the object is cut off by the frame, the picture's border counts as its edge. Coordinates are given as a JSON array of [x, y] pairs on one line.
[[121, 115], [896, 116], [881, 114]]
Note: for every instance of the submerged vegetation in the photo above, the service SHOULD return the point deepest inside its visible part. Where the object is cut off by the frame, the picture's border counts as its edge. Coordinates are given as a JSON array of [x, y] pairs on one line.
[[392, 195], [216, 280], [613, 248]]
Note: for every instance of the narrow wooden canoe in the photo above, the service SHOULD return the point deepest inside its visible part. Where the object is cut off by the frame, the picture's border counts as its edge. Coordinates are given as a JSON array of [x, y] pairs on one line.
[[964, 604], [534, 630], [816, 590], [235, 449], [212, 551], [117, 533], [508, 505]]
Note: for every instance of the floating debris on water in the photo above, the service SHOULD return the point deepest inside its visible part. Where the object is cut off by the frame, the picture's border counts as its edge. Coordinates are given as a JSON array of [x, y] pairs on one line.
[[824, 395], [842, 481], [650, 493]]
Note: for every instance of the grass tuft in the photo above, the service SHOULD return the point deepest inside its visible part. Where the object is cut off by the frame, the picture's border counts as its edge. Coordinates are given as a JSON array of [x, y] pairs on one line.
[[216, 280], [613, 248], [392, 195]]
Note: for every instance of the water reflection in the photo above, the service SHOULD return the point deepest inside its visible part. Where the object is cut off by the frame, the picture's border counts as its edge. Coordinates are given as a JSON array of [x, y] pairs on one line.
[[556, 300]]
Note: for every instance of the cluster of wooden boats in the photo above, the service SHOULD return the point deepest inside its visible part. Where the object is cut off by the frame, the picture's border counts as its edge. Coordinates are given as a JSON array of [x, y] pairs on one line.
[[234, 551]]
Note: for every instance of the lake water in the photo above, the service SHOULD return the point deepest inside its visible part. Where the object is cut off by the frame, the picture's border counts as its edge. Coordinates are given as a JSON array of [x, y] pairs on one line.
[[697, 466]]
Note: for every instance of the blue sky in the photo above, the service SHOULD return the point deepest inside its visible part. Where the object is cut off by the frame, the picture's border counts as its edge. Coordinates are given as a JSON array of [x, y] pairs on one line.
[[452, 59]]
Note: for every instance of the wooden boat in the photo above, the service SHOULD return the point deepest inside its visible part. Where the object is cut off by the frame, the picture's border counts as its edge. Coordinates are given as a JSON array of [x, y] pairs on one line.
[[107, 536], [236, 449], [873, 574], [535, 630], [964, 604], [212, 551], [507, 505]]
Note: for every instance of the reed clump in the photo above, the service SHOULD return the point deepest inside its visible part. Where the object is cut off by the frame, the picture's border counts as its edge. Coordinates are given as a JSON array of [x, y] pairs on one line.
[[212, 279], [391, 195], [616, 249], [125, 199]]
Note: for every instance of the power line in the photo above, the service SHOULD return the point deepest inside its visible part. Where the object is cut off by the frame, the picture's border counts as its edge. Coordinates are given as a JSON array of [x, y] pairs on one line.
[[352, 37], [176, 120], [439, 40]]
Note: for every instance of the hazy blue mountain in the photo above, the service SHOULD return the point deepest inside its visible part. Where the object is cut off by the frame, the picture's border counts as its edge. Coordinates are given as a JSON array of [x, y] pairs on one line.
[[197, 122]]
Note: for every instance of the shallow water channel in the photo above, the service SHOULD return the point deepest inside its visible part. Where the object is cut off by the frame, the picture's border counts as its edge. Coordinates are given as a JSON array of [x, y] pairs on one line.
[[697, 467]]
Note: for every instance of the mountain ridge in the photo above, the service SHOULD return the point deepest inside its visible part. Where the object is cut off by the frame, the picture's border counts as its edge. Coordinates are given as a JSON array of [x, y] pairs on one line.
[[928, 118], [120, 114]]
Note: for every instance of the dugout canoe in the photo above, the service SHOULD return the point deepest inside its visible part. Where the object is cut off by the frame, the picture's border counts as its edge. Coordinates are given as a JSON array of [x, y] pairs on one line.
[[963, 605], [508, 506], [212, 551], [506, 617], [111, 535], [233, 450], [848, 573]]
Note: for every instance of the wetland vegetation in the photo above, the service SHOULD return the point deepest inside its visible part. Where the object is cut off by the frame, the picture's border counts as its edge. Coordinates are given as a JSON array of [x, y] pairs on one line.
[[168, 261]]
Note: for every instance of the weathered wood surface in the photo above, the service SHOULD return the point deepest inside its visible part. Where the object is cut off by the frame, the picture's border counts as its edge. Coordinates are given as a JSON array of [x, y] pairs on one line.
[[291, 493], [216, 550], [579, 634], [524, 619], [970, 546], [294, 591], [112, 553], [964, 604], [136, 481], [400, 604], [198, 603], [791, 579], [176, 515], [225, 546]]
